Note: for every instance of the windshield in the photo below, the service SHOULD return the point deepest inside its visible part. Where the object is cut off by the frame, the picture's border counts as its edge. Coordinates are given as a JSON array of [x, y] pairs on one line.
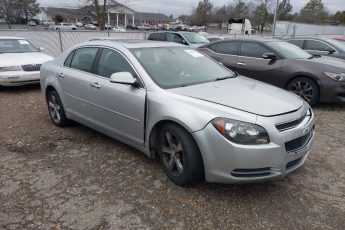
[[16, 46], [339, 44], [195, 38], [172, 67], [288, 50]]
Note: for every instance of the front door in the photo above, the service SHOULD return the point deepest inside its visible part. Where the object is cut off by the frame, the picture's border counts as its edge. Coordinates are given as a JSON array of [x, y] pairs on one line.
[[250, 63], [118, 109]]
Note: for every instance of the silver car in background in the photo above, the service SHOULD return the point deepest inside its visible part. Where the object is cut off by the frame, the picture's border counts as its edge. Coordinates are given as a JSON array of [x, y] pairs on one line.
[[171, 101]]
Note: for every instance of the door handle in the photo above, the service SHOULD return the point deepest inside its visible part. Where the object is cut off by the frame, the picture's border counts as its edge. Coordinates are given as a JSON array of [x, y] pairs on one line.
[[61, 75], [95, 85], [242, 64]]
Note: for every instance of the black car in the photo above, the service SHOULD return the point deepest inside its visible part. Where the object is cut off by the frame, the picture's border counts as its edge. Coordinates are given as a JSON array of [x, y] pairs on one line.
[[284, 65], [132, 27], [320, 46]]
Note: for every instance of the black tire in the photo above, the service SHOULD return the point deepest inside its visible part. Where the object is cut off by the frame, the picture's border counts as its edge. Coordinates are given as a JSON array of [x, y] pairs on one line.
[[56, 109], [186, 152], [306, 88]]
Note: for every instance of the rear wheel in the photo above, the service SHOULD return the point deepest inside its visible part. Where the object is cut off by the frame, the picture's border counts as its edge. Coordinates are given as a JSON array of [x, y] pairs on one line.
[[305, 88], [56, 109], [179, 155]]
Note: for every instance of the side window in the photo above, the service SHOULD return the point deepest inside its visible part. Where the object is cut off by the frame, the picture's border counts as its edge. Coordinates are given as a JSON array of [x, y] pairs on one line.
[[162, 37], [83, 59], [113, 62], [298, 43], [69, 59], [178, 39], [170, 37], [251, 49], [227, 48], [316, 45]]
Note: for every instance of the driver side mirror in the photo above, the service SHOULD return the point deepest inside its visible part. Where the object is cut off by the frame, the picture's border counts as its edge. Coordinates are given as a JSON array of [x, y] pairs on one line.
[[270, 56], [125, 78], [42, 49]]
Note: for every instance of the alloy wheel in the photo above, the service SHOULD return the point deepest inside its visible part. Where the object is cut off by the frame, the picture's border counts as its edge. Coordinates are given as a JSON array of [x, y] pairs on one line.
[[303, 89], [173, 155], [54, 109]]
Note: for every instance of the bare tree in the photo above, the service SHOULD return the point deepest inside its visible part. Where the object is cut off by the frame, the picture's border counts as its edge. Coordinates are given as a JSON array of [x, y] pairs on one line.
[[313, 12], [6, 8], [203, 12], [262, 13], [100, 7]]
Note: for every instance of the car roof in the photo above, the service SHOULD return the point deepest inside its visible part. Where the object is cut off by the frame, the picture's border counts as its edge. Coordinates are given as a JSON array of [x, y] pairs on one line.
[[304, 38], [132, 44], [259, 40], [9, 38]]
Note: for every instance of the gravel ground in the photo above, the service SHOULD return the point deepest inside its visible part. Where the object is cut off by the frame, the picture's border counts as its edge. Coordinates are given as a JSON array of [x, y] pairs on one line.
[[76, 178]]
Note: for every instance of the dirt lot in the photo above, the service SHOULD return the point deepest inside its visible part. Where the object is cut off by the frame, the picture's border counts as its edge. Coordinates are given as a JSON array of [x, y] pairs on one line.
[[75, 178]]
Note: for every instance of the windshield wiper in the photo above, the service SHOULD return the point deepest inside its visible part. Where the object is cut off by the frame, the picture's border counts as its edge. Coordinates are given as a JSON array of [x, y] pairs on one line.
[[314, 56], [223, 78]]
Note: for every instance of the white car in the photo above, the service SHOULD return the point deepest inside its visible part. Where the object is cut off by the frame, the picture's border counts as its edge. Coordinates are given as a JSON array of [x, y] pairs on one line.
[[119, 29], [20, 61], [63, 26], [79, 24], [90, 27]]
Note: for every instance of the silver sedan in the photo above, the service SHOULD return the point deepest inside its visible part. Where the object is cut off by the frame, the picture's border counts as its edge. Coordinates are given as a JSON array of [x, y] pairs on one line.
[[173, 102]]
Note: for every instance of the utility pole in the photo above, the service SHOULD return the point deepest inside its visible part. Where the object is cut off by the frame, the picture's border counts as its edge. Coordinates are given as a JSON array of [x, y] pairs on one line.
[[275, 18]]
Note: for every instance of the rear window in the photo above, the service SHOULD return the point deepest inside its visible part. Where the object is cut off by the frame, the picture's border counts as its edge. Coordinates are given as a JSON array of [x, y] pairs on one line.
[[298, 43], [227, 48], [83, 59]]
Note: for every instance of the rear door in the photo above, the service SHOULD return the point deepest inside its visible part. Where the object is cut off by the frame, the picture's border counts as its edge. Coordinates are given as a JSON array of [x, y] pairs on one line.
[[250, 63], [74, 79], [117, 109], [224, 52]]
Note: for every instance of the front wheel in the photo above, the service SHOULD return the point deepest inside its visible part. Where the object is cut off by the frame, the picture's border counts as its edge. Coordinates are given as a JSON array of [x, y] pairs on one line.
[[180, 155], [306, 88]]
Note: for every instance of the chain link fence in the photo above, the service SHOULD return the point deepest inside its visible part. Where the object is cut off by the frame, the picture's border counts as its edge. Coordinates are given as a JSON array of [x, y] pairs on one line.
[[56, 42]]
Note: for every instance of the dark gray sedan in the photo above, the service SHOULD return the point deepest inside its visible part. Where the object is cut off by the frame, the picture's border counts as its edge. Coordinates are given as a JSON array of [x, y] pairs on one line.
[[284, 65]]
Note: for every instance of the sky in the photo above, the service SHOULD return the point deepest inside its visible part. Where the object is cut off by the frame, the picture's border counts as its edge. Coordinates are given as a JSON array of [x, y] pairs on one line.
[[178, 7]]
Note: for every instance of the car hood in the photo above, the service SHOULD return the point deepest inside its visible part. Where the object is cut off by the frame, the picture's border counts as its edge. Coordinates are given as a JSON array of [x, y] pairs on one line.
[[331, 61], [244, 94], [17, 59]]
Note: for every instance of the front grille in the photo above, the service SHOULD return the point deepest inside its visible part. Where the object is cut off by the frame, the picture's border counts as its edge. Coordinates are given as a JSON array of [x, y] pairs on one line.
[[258, 172], [298, 143], [31, 67], [292, 124], [293, 163]]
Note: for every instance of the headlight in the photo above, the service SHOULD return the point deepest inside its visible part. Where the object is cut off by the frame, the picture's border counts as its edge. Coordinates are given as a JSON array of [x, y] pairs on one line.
[[241, 132], [10, 68], [336, 76]]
